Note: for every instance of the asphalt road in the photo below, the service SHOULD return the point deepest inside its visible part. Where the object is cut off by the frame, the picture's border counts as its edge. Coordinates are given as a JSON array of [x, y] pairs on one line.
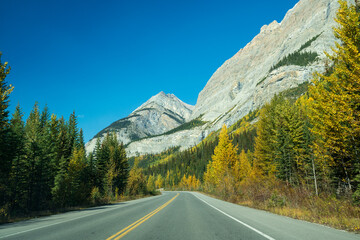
[[173, 215]]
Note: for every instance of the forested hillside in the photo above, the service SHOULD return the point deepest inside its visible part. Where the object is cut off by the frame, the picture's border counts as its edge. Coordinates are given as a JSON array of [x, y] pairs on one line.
[[298, 155], [43, 165]]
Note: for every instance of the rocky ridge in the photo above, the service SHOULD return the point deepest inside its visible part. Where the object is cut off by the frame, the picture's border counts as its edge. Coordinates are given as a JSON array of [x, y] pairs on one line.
[[156, 116]]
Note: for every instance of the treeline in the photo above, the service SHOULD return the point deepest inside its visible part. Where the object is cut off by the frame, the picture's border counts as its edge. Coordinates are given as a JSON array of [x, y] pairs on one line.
[[43, 164], [299, 58]]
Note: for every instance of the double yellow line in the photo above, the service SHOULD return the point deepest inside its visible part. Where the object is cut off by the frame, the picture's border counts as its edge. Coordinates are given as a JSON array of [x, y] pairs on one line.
[[134, 225]]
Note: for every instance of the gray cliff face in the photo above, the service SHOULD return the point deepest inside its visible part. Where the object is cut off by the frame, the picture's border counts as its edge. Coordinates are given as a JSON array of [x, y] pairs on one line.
[[158, 115], [245, 82]]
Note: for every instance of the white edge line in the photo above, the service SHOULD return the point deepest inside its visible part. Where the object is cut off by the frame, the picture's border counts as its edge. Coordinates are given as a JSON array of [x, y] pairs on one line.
[[68, 220], [29, 230], [237, 220]]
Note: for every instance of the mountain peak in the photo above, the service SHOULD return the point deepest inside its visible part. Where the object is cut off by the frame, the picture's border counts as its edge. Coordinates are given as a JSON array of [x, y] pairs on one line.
[[161, 94], [168, 101], [161, 113]]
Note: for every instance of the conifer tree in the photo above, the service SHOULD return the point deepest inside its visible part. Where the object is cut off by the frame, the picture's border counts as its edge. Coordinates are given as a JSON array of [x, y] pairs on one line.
[[289, 135], [111, 166], [81, 142], [242, 168], [223, 160], [33, 155], [136, 182], [18, 169], [60, 191], [39, 152], [72, 135], [335, 102], [307, 166], [265, 142], [78, 186], [5, 154]]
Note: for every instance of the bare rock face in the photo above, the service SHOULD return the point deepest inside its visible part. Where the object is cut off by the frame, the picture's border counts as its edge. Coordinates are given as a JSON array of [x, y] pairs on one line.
[[185, 139], [158, 115], [243, 83]]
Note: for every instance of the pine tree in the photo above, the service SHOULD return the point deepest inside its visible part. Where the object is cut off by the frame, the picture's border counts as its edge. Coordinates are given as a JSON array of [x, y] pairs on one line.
[[17, 179], [5, 154]]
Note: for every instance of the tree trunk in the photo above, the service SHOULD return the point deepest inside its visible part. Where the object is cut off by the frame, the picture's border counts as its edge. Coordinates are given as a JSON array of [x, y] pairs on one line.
[[314, 173]]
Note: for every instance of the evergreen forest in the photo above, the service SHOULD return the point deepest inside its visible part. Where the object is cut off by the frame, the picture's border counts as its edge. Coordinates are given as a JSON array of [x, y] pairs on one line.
[[44, 167]]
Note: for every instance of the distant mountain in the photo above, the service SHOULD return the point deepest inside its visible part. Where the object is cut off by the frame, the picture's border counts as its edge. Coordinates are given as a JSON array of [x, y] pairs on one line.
[[158, 115], [282, 56]]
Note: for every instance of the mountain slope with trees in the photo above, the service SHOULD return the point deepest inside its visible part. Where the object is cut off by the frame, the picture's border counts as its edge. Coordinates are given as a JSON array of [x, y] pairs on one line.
[[298, 155]]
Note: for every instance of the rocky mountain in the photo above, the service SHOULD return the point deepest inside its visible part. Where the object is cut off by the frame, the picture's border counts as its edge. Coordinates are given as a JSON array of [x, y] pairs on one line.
[[247, 80], [282, 56], [158, 115]]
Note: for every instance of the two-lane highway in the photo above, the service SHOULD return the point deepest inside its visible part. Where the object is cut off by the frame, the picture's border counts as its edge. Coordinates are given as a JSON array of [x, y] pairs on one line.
[[173, 215]]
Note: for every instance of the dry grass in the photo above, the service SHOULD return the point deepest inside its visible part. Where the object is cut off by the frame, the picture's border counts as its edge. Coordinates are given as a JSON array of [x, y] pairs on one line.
[[299, 203]]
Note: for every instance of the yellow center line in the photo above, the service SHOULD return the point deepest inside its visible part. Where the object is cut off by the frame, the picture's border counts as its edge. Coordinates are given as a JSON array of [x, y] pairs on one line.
[[134, 225]]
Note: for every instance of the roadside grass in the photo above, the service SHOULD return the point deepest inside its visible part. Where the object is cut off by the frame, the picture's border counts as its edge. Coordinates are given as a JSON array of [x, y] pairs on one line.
[[295, 202], [326, 210]]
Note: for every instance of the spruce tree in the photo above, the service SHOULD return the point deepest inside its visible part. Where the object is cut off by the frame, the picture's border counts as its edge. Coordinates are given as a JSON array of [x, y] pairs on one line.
[[78, 186], [33, 155], [18, 169], [265, 142], [72, 135], [5, 153]]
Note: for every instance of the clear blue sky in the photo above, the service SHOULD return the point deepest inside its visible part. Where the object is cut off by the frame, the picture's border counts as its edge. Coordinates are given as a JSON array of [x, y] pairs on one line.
[[105, 58]]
